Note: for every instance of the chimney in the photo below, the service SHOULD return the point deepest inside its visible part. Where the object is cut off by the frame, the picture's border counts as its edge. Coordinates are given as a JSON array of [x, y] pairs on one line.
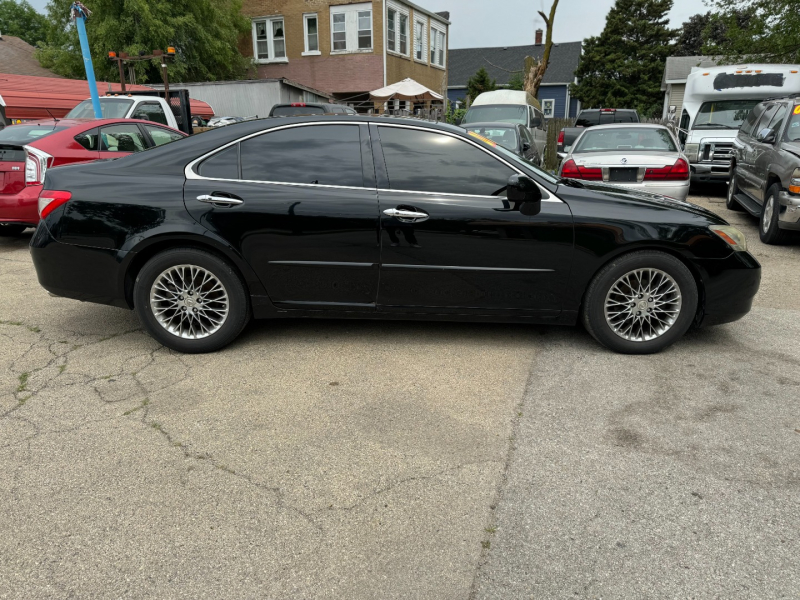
[[539, 33]]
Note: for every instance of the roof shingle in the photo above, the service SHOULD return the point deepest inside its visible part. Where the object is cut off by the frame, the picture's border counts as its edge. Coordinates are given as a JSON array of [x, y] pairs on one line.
[[464, 62], [16, 58]]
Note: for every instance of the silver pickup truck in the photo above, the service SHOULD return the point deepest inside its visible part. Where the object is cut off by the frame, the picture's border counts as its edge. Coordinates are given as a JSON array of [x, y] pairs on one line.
[[765, 169]]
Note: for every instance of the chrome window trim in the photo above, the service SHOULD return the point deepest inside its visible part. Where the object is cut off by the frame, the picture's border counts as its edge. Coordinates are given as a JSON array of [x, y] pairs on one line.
[[190, 174]]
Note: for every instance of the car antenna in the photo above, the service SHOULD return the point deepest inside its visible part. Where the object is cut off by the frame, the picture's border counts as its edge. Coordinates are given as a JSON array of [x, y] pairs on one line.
[[55, 121]]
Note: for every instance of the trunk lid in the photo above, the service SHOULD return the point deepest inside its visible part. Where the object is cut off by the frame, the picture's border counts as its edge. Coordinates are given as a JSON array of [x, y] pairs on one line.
[[12, 169]]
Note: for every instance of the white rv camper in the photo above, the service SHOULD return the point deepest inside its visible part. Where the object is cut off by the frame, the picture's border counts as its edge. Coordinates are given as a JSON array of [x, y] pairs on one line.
[[716, 103]]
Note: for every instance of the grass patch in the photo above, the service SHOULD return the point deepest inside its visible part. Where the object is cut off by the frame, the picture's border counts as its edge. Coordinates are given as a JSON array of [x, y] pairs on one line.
[[23, 382], [491, 529], [486, 545], [144, 403], [32, 328], [61, 369]]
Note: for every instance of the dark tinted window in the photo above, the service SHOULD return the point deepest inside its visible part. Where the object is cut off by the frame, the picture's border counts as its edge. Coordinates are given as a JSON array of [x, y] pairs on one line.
[[25, 134], [322, 154], [765, 119], [223, 165], [89, 139], [588, 118], [294, 111], [747, 126], [776, 123], [432, 162], [150, 111]]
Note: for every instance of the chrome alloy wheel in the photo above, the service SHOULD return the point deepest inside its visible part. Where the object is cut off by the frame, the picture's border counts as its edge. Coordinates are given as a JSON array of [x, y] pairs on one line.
[[643, 305], [189, 301], [766, 220]]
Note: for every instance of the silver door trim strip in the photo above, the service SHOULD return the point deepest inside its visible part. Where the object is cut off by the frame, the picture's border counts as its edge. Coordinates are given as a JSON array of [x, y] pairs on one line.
[[455, 268], [318, 263]]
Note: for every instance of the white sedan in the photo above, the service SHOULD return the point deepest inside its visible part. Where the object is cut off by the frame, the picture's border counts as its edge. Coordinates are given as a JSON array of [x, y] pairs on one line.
[[634, 155]]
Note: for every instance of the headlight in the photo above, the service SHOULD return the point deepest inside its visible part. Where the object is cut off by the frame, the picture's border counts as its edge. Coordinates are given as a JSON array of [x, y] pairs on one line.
[[691, 150], [732, 236], [794, 182]]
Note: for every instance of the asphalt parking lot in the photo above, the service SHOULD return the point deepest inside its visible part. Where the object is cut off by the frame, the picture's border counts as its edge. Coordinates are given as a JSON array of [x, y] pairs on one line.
[[333, 459]]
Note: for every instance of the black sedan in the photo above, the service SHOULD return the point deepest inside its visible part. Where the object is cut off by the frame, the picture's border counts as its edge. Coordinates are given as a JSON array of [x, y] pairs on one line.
[[511, 136], [344, 216]]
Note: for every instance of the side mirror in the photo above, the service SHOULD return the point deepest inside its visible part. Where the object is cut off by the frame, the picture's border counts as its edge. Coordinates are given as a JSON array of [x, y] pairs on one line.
[[523, 189], [536, 122], [526, 146], [766, 135]]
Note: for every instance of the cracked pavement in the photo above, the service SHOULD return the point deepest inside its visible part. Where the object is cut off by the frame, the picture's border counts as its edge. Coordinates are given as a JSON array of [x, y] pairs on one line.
[[345, 459]]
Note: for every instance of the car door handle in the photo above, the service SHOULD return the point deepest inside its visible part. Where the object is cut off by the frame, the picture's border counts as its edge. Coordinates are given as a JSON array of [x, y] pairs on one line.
[[220, 200], [407, 216]]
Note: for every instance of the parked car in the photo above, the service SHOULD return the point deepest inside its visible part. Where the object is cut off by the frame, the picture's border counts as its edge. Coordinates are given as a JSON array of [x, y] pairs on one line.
[[511, 136], [29, 150], [297, 109], [278, 218], [637, 156], [145, 108], [222, 121], [765, 168], [510, 106], [589, 118]]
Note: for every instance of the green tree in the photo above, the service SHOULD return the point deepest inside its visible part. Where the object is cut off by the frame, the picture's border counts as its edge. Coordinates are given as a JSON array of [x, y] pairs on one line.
[[703, 30], [205, 34], [20, 19], [623, 66], [517, 81], [769, 34], [479, 83]]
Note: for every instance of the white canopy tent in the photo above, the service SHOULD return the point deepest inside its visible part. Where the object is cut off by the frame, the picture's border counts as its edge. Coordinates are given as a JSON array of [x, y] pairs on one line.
[[408, 89]]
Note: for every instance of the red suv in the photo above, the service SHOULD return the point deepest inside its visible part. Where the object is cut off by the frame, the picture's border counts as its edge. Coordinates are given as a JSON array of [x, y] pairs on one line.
[[29, 149]]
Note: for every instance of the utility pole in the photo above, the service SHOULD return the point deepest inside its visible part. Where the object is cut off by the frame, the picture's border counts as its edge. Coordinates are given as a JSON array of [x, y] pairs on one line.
[[78, 14]]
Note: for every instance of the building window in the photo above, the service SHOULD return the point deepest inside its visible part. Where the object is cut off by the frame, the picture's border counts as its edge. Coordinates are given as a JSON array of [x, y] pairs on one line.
[[351, 28], [420, 40], [397, 30], [548, 108], [438, 47], [311, 26], [269, 41]]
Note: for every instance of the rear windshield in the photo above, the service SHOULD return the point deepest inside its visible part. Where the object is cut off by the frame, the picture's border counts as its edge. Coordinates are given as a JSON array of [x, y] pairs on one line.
[[295, 111], [625, 138], [589, 118], [112, 108], [505, 136], [19, 135], [793, 129], [723, 114], [503, 113], [12, 154]]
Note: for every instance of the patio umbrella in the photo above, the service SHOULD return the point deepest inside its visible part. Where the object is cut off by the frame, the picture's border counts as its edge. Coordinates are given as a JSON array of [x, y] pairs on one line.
[[408, 89]]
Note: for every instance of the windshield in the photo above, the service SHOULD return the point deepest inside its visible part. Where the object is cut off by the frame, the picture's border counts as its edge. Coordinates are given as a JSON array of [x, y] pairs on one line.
[[112, 108], [294, 111], [723, 114], [792, 129], [589, 118], [490, 114], [25, 134], [646, 139], [505, 136]]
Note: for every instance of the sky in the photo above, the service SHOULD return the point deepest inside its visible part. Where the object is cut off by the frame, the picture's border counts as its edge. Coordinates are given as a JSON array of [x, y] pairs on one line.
[[480, 23]]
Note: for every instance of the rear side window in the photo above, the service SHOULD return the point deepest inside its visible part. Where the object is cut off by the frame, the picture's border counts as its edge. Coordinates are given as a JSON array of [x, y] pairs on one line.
[[89, 139], [431, 162], [316, 154], [777, 121], [296, 111], [150, 111], [755, 114], [223, 165]]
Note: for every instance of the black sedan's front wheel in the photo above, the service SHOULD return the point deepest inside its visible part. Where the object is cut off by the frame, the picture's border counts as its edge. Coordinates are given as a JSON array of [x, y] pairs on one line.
[[640, 303], [190, 300]]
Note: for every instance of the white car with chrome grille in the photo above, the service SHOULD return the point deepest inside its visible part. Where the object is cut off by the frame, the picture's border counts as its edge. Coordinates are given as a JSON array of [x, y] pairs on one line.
[[640, 156]]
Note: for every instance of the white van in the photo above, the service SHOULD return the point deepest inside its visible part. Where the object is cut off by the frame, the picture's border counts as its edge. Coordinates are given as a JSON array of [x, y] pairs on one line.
[[716, 103], [510, 106]]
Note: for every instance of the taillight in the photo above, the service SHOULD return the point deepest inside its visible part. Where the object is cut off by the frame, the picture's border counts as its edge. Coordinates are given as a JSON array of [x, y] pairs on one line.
[[677, 172], [297, 104], [49, 200], [561, 137], [36, 163], [573, 171]]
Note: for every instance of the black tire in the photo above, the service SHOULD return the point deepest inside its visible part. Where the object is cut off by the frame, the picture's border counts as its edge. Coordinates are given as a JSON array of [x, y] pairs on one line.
[[733, 189], [238, 300], [11, 230], [594, 317], [768, 225]]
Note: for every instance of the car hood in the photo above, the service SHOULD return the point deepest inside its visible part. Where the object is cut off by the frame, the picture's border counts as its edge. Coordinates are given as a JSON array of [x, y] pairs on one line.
[[622, 196], [793, 147], [623, 159]]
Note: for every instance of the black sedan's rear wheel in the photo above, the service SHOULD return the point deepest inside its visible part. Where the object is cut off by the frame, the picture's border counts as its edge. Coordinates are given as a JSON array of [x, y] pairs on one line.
[[640, 303], [191, 300]]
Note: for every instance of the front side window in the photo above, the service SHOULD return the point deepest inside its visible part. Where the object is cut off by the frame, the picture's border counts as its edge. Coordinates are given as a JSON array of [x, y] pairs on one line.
[[314, 154], [161, 136], [723, 114], [792, 129], [269, 40], [433, 162], [122, 139], [776, 123], [765, 119], [150, 111], [749, 122], [312, 33], [625, 138]]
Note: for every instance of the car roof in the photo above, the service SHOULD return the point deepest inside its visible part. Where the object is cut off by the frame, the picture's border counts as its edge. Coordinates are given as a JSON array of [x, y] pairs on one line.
[[503, 124], [628, 126]]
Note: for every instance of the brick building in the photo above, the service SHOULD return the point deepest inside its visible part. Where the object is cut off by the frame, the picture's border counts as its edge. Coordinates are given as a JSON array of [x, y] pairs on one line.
[[348, 47]]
